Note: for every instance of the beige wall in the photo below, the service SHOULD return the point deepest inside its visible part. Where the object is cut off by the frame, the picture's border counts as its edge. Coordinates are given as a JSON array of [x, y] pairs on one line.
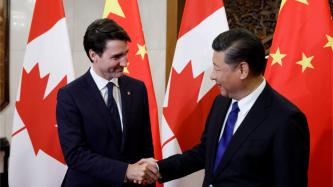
[[80, 13]]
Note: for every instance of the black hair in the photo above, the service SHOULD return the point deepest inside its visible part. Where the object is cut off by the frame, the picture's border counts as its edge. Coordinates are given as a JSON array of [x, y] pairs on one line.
[[240, 45], [99, 32]]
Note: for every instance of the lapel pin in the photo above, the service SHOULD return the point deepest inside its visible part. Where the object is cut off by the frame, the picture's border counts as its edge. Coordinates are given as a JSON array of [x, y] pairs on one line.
[[128, 93]]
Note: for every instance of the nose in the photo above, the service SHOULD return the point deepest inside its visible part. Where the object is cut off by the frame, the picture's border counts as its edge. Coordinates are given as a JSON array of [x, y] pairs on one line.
[[123, 61], [212, 75]]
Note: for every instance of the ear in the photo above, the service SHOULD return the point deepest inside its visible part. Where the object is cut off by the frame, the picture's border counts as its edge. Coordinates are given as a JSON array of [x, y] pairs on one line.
[[92, 55], [244, 70]]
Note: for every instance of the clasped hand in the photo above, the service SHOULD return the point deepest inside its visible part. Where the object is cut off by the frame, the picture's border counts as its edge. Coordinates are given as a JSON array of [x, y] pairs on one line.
[[143, 172]]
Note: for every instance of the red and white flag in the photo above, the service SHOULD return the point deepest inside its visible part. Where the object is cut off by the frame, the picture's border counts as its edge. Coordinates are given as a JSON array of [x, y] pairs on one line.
[[300, 67], [126, 14], [190, 92], [36, 159]]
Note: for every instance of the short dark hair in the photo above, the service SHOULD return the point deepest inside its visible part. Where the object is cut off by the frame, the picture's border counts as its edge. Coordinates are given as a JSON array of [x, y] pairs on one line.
[[241, 45], [99, 32]]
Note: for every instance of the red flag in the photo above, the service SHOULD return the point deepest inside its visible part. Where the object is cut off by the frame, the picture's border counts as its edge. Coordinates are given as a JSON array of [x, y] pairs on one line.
[[36, 157], [190, 92], [300, 68], [126, 14]]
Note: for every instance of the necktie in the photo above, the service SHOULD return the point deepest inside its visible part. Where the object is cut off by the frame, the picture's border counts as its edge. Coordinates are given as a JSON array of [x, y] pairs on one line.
[[112, 106], [227, 134]]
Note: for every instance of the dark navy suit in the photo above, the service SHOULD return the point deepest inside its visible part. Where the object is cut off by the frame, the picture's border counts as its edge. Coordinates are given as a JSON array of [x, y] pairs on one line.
[[269, 149], [93, 151]]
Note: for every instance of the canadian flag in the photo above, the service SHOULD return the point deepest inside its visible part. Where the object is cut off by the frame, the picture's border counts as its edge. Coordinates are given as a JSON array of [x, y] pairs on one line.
[[36, 158], [190, 92]]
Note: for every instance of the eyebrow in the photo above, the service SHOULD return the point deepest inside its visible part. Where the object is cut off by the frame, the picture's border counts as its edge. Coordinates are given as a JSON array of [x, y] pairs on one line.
[[119, 54]]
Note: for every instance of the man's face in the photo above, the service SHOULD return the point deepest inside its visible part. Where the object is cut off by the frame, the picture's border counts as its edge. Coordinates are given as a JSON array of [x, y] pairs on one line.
[[111, 63], [226, 76]]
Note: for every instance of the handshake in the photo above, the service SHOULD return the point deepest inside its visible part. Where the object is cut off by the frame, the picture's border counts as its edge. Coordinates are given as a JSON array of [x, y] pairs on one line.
[[143, 172]]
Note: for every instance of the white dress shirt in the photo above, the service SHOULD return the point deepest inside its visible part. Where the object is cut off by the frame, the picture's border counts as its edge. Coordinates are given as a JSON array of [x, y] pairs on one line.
[[245, 104], [101, 84]]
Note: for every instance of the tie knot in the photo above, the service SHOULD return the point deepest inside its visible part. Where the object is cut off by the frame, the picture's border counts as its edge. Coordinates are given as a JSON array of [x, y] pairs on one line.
[[110, 86], [235, 107]]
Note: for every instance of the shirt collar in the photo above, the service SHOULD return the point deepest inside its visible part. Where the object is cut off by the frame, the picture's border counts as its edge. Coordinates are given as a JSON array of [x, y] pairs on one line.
[[100, 81], [246, 103]]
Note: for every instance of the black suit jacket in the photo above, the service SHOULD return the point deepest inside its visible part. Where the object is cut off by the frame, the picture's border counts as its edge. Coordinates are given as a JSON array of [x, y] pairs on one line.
[[269, 149], [92, 151]]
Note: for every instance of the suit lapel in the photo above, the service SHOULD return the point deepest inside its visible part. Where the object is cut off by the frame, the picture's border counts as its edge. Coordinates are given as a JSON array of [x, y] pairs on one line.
[[217, 123], [254, 118], [126, 99], [94, 93]]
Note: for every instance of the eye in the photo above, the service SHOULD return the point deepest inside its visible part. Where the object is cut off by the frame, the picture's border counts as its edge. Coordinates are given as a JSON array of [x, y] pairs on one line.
[[216, 68], [117, 57]]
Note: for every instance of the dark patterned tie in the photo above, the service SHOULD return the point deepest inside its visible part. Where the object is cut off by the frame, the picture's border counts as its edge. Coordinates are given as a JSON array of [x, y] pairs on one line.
[[112, 106], [227, 134]]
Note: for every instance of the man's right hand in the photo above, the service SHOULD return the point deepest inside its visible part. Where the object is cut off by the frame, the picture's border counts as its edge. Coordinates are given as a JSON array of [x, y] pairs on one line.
[[143, 172]]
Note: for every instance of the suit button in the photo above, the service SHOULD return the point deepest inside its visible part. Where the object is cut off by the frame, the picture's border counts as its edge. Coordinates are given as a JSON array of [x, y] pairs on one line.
[[210, 185]]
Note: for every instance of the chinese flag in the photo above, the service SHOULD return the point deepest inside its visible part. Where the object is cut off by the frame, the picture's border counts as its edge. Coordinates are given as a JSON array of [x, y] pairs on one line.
[[300, 68], [190, 92], [126, 14], [36, 159]]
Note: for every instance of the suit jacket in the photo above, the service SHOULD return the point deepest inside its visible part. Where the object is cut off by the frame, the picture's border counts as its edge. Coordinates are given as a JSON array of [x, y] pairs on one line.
[[269, 149], [95, 153]]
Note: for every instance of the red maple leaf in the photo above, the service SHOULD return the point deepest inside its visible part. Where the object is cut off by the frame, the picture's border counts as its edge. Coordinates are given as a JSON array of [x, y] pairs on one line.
[[186, 117], [38, 113]]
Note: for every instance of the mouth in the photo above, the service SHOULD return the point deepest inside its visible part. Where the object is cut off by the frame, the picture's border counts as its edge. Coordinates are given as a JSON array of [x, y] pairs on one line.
[[119, 70]]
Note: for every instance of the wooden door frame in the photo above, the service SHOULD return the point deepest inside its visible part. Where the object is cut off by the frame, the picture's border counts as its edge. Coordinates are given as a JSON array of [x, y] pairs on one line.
[[174, 14]]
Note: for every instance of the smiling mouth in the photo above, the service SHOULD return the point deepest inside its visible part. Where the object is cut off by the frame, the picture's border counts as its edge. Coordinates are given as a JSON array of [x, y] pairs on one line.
[[120, 70]]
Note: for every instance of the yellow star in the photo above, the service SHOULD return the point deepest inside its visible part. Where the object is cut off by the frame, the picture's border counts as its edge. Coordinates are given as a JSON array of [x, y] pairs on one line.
[[330, 42], [141, 51], [305, 62], [126, 68], [277, 57], [112, 6], [303, 1]]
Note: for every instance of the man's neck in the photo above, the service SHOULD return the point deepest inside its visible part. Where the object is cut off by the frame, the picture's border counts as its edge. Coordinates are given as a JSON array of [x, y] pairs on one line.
[[250, 85]]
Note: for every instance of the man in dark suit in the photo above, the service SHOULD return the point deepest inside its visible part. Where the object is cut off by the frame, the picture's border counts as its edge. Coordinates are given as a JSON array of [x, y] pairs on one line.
[[253, 136], [103, 116]]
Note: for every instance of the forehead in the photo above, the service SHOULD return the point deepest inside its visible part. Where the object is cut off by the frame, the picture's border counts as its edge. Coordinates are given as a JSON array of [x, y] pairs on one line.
[[218, 58], [116, 46]]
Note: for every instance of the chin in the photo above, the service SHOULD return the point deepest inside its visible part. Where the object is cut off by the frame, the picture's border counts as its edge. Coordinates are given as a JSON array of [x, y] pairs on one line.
[[224, 93], [119, 74]]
